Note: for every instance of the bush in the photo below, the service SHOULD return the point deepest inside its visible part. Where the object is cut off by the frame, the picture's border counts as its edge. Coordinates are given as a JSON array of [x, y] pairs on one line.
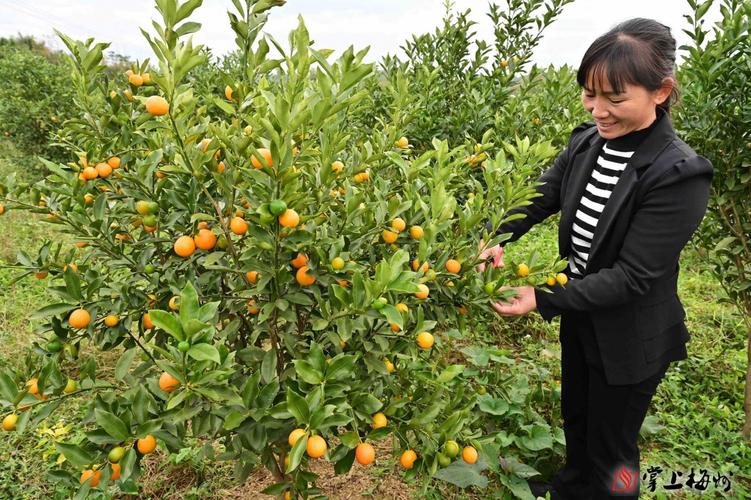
[[34, 101], [266, 266]]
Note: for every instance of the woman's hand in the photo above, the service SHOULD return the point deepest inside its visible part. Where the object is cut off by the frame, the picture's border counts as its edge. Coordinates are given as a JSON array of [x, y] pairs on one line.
[[496, 252], [523, 303]]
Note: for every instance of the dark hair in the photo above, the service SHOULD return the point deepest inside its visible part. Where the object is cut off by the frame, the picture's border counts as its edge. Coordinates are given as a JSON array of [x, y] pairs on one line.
[[638, 52]]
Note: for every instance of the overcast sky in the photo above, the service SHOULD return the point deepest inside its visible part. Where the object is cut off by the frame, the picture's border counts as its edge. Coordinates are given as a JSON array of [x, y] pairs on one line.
[[335, 24]]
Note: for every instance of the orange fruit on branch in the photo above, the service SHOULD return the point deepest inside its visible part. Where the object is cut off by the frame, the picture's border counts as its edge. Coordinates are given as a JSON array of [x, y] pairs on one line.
[[389, 236], [294, 436], [453, 266], [157, 105], [266, 154], [185, 246], [238, 225], [115, 472], [168, 383], [469, 454], [424, 291], [299, 261], [147, 323], [9, 422], [364, 453], [408, 459], [135, 79], [79, 318], [90, 474], [379, 420], [205, 239], [290, 218], [146, 444], [316, 447], [103, 170], [425, 340], [303, 278]]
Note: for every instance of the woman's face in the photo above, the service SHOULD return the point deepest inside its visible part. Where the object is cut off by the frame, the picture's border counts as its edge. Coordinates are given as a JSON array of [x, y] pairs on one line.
[[618, 114]]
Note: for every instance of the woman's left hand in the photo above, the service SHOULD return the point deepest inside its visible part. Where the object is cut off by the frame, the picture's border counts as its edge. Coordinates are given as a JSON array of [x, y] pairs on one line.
[[520, 305]]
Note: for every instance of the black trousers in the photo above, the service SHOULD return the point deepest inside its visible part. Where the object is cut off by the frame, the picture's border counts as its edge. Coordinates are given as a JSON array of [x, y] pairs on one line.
[[601, 422]]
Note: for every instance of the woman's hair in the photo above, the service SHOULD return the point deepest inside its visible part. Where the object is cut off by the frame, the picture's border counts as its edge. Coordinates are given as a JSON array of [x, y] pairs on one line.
[[638, 52]]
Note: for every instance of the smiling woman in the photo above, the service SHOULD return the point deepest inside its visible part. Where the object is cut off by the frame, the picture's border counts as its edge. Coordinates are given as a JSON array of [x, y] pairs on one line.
[[624, 79], [631, 194]]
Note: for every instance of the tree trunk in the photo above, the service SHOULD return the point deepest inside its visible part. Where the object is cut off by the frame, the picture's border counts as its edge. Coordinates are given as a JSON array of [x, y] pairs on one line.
[[747, 394]]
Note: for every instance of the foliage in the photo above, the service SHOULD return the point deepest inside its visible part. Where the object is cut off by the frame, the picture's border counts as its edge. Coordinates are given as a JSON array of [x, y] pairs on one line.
[[35, 99], [210, 351], [454, 83], [715, 119]]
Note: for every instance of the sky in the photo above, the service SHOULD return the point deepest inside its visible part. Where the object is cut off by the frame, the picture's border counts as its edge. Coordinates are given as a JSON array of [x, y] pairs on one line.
[[384, 25]]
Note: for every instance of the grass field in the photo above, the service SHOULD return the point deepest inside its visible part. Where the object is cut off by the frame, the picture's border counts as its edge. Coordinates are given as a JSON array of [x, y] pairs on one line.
[[694, 421]]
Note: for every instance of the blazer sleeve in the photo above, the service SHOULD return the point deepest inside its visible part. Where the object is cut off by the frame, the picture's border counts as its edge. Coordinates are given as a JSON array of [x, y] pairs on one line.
[[662, 225], [543, 206]]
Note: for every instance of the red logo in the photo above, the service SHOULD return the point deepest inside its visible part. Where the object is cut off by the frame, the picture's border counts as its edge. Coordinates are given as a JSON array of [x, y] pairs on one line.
[[625, 480]]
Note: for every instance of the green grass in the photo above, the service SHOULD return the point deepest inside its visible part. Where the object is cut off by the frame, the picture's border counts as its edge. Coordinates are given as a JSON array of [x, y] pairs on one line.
[[698, 406]]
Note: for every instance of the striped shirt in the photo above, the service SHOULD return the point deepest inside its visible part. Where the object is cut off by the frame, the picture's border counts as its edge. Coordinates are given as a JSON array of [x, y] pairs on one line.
[[611, 162]]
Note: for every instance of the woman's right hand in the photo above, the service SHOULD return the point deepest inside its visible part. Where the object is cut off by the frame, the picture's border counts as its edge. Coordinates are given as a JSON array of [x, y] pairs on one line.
[[496, 252]]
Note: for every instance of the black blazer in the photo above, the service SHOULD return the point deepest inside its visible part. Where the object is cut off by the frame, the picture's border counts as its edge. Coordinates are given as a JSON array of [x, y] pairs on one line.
[[630, 284]]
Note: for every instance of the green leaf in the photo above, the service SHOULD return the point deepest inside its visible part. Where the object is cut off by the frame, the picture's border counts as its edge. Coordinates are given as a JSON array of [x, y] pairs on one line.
[[224, 106], [188, 304], [76, 455], [538, 438], [123, 364], [367, 404], [345, 464], [51, 310], [341, 367], [8, 387], [72, 283], [167, 322], [306, 372], [268, 365], [193, 326], [350, 439], [477, 355], [392, 315], [204, 352], [234, 419], [462, 475], [298, 407], [207, 312], [450, 373], [429, 414], [112, 424], [187, 28], [295, 455], [491, 405]]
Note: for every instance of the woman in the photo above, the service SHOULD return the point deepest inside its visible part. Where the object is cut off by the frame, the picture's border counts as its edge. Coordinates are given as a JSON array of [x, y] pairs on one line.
[[631, 194]]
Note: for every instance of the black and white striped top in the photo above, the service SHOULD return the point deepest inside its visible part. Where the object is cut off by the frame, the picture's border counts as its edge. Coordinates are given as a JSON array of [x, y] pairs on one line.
[[611, 162]]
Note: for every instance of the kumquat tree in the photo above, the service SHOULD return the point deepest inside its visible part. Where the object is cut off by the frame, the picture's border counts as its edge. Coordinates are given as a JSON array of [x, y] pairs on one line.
[[271, 284], [267, 265]]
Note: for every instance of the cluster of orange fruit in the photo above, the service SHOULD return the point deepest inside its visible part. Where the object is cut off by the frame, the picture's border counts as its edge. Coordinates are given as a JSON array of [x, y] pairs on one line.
[[144, 446], [365, 452], [80, 318], [101, 169], [397, 226]]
